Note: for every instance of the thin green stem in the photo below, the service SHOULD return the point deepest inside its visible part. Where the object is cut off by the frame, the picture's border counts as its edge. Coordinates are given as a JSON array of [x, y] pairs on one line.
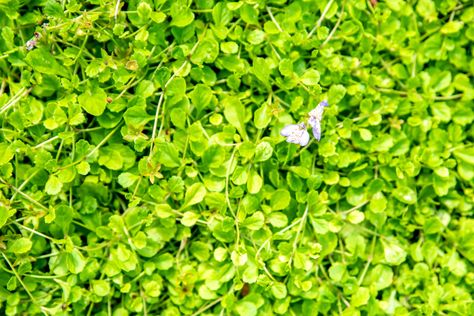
[[33, 299], [321, 18], [333, 31], [298, 233]]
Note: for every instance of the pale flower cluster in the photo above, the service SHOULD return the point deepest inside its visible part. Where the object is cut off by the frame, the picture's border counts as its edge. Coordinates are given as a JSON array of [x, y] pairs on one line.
[[297, 133]]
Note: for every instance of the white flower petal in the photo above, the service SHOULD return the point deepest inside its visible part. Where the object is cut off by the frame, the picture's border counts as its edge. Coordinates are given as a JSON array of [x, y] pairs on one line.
[[304, 139], [317, 131], [312, 121], [289, 129]]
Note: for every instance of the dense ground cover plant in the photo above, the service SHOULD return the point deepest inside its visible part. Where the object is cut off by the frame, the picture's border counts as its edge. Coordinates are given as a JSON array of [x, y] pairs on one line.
[[142, 169]]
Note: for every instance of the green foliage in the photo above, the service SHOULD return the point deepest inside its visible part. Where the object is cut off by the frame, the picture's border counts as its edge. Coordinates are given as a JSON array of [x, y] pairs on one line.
[[142, 171]]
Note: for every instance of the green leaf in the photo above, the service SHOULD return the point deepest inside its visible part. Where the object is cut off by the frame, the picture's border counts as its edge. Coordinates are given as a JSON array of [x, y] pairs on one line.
[[441, 80], [42, 60], [441, 111], [20, 246], [393, 252], [181, 14], [164, 261], [64, 216], [262, 117], [280, 200], [234, 113], [189, 218], [279, 290], [246, 308], [466, 171], [166, 154], [256, 37], [229, 47], [466, 155], [194, 195], [286, 67], [53, 9], [163, 210], [250, 274], [152, 288], [336, 93], [200, 250], [355, 217], [137, 116], [176, 90], [75, 261], [116, 156], [238, 259], [206, 52], [395, 5], [378, 203], [201, 97], [427, 9], [254, 182], [433, 226], [249, 14], [53, 185], [360, 297], [337, 272], [311, 78], [452, 27], [93, 101], [405, 194], [381, 276], [6, 153], [127, 179], [254, 222], [144, 11], [278, 219], [263, 152], [365, 134], [221, 15], [83, 168], [5, 214], [262, 71], [100, 287], [462, 83]]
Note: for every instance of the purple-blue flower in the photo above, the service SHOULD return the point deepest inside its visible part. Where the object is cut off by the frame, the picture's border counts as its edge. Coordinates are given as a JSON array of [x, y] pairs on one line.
[[296, 134], [315, 117]]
